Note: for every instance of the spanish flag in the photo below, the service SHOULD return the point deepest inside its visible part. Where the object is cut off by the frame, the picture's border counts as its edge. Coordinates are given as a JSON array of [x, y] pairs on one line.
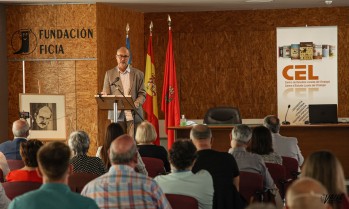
[[170, 102], [150, 105]]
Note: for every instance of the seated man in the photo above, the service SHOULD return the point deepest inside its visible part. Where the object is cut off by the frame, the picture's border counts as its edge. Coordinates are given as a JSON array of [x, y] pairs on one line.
[[53, 159], [307, 193], [181, 180], [20, 130], [250, 162], [284, 146], [222, 167], [122, 187]]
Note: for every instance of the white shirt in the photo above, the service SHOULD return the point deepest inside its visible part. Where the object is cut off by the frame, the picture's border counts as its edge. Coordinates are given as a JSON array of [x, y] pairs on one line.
[[288, 147], [125, 80]]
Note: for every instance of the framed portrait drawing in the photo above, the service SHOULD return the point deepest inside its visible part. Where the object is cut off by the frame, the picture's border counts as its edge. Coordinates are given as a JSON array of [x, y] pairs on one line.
[[46, 115]]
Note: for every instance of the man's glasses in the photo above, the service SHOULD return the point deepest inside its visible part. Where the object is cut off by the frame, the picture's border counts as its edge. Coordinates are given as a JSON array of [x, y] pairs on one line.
[[122, 56]]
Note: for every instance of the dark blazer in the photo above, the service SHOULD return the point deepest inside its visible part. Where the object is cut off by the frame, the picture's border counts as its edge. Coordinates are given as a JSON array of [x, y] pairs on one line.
[[137, 90], [11, 148]]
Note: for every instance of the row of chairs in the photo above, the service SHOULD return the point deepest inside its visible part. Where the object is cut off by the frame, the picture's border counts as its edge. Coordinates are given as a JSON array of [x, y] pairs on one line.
[[251, 184]]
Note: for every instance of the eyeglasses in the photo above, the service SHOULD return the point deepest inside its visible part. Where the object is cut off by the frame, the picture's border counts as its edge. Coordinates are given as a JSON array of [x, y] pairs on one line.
[[122, 56]]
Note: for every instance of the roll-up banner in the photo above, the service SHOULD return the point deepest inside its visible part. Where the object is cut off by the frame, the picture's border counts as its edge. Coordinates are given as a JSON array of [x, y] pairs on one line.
[[306, 70]]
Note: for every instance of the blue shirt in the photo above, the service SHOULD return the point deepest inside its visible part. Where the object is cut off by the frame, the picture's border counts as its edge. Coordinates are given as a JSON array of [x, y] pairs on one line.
[[52, 196], [11, 148]]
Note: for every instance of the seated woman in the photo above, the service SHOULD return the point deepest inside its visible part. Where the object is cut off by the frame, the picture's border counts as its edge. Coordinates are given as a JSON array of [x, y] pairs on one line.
[[145, 137], [114, 130], [325, 167], [262, 144], [79, 143], [28, 152]]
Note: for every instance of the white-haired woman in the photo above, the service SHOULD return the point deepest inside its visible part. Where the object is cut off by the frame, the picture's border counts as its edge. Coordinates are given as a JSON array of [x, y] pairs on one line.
[[79, 143], [145, 137]]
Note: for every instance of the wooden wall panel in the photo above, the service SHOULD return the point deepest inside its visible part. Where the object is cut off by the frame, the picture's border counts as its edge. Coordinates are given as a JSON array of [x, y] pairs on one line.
[[86, 85], [111, 26], [77, 80], [228, 57]]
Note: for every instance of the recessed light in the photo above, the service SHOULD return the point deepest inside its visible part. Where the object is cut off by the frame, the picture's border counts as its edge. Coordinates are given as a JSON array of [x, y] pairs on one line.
[[328, 2]]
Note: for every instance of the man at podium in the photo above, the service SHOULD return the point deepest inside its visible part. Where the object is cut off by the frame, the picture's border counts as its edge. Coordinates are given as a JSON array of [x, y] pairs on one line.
[[124, 79]]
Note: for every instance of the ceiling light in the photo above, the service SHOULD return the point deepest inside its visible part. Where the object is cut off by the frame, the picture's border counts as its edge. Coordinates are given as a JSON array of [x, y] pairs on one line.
[[328, 2]]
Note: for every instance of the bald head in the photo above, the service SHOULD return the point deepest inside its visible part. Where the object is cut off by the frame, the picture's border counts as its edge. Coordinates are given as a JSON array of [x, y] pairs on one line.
[[200, 132], [272, 122], [123, 150], [306, 193], [20, 128]]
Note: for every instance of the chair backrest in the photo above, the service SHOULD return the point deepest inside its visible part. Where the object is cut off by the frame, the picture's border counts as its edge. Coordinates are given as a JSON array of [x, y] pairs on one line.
[[222, 115], [291, 166], [278, 173], [16, 188], [154, 166], [15, 164], [178, 201], [251, 186], [78, 180]]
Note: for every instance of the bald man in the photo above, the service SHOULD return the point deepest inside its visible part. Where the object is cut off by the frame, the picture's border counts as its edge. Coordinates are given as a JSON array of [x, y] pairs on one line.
[[20, 130], [306, 193], [222, 167], [130, 81], [122, 187]]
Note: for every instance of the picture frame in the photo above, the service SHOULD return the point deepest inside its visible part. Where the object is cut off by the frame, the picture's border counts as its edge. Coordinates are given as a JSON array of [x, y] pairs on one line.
[[46, 115]]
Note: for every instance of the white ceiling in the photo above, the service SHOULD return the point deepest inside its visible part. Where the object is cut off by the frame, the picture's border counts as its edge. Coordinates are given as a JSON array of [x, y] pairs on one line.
[[195, 5]]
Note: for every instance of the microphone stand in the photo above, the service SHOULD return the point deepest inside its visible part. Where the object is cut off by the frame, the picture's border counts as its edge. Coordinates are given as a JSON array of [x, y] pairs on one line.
[[285, 122], [134, 111]]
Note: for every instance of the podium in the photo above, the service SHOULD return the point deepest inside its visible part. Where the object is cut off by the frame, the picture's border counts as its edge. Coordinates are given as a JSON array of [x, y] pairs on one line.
[[114, 102]]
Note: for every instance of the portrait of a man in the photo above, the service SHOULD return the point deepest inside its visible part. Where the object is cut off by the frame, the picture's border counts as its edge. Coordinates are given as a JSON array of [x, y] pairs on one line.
[[43, 116]]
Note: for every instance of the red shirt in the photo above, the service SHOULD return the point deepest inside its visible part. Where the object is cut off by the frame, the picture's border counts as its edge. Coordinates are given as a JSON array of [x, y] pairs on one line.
[[23, 175]]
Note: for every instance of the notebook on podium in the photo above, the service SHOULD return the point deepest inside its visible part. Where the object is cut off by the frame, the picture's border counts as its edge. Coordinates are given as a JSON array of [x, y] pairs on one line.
[[323, 113]]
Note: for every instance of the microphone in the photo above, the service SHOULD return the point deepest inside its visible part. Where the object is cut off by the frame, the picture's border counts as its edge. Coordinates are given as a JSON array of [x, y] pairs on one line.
[[114, 82], [285, 122]]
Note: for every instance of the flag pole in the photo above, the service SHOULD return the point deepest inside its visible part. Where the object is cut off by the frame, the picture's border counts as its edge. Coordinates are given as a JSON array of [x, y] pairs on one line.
[[128, 44]]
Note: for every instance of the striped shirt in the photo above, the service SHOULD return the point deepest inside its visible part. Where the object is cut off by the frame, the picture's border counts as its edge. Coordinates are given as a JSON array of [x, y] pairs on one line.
[[122, 187]]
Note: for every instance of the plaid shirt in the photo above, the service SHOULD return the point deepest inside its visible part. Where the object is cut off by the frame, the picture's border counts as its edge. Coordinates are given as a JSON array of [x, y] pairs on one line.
[[122, 187]]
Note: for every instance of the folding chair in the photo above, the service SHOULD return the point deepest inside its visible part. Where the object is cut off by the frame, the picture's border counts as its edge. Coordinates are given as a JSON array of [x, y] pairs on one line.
[[16, 188], [154, 166], [78, 180], [251, 186]]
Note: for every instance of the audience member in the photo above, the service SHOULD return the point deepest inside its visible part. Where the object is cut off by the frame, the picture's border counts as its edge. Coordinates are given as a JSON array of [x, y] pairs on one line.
[[79, 143], [145, 137], [20, 130], [306, 193], [4, 165], [122, 187], [327, 169], [284, 146], [182, 180], [114, 130], [54, 168], [222, 167], [28, 151], [250, 162], [4, 201], [262, 144]]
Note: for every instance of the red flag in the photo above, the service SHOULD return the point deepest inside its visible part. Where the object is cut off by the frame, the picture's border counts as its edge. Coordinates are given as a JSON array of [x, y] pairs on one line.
[[150, 105], [170, 102]]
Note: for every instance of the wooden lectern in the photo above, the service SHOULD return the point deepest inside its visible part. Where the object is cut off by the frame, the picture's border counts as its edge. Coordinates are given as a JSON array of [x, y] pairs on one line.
[[114, 102]]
